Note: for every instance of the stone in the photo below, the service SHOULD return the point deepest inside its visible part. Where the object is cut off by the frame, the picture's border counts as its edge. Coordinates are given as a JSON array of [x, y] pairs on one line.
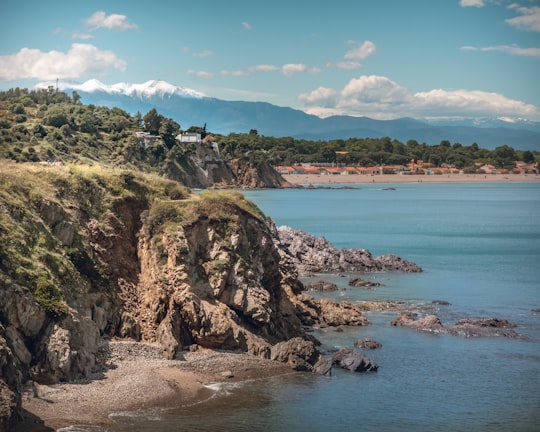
[[359, 282], [298, 353], [367, 343], [354, 361], [321, 286]]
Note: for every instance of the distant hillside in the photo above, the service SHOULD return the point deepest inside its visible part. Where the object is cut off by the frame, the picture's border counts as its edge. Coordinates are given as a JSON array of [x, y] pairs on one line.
[[50, 126], [191, 108]]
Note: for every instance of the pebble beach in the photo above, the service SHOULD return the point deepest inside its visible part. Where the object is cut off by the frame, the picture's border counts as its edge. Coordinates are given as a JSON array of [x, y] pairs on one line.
[[132, 377]]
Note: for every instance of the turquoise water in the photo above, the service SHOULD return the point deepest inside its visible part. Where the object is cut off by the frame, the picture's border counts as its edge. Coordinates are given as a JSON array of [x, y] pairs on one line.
[[479, 246]]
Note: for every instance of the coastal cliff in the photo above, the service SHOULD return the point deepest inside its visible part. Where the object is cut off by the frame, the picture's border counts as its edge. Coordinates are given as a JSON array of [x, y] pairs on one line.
[[89, 254]]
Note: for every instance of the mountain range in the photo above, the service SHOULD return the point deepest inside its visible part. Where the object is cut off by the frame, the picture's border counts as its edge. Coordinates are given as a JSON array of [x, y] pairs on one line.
[[192, 108]]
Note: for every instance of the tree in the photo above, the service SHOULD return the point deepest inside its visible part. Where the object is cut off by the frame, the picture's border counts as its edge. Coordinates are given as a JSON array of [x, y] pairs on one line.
[[152, 121], [168, 131], [139, 120], [528, 157], [76, 97]]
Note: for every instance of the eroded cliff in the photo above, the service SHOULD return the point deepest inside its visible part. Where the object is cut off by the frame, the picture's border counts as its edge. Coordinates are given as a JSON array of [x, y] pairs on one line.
[[88, 253]]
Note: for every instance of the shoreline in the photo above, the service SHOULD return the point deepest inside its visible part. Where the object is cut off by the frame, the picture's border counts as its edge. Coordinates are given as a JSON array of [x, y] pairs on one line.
[[319, 179], [137, 380]]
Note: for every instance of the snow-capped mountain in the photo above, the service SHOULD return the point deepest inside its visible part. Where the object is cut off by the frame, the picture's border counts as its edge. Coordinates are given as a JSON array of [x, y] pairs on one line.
[[192, 108], [148, 89]]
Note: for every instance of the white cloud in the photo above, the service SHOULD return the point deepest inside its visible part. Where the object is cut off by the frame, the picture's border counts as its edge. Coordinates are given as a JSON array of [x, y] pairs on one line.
[[372, 89], [528, 20], [263, 68], [80, 60], [246, 25], [380, 97], [204, 53], [471, 3], [322, 97], [83, 36], [237, 73], [112, 22], [361, 51], [201, 74], [292, 68], [344, 65], [509, 49]]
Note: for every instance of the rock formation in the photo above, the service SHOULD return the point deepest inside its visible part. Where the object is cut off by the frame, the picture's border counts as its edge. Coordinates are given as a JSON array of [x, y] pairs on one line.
[[484, 327], [367, 343], [90, 254], [354, 361], [317, 255]]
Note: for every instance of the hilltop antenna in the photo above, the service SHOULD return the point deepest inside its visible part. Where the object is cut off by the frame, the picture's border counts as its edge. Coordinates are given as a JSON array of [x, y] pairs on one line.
[[56, 85]]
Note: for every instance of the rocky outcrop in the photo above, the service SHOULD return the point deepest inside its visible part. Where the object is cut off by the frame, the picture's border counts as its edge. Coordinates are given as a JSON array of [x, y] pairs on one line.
[[298, 353], [260, 175], [354, 361], [326, 312], [202, 167], [321, 286], [367, 343], [317, 255], [109, 258], [488, 327], [359, 282]]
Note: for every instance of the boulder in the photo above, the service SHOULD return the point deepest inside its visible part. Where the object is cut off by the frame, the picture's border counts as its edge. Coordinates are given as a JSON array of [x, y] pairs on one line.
[[367, 343], [328, 312], [321, 286], [298, 353], [430, 323], [354, 361], [359, 282]]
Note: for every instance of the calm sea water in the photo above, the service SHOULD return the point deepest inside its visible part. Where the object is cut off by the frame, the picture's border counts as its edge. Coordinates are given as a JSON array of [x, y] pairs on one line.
[[479, 246]]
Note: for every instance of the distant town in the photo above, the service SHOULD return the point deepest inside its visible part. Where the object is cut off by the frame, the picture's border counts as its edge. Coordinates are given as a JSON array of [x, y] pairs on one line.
[[418, 167]]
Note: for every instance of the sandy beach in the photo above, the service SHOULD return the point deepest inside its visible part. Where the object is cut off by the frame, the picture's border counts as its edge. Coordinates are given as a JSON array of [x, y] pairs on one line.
[[318, 179], [135, 378]]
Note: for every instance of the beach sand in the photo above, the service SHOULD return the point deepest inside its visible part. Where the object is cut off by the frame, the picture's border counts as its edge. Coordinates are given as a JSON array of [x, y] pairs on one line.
[[133, 380], [317, 179]]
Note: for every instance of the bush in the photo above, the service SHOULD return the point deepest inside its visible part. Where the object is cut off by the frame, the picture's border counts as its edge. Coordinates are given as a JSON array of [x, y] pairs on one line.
[[50, 298]]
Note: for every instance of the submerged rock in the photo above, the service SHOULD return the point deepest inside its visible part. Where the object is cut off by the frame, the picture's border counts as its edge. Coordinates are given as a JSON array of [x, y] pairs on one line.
[[359, 282], [321, 286], [484, 327]]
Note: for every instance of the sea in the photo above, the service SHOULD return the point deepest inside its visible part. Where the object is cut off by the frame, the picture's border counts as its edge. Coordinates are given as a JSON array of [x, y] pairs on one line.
[[479, 247]]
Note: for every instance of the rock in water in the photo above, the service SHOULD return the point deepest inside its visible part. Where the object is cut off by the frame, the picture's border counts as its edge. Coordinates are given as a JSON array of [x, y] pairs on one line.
[[317, 255], [354, 361]]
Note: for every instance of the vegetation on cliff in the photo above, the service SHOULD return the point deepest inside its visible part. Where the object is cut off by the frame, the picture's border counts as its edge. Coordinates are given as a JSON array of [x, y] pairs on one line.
[[44, 246]]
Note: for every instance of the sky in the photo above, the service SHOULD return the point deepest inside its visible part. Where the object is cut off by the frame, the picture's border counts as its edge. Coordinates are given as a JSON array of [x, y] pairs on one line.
[[377, 58]]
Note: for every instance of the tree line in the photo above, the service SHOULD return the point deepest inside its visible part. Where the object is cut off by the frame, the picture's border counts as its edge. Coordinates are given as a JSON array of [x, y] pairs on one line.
[[46, 123]]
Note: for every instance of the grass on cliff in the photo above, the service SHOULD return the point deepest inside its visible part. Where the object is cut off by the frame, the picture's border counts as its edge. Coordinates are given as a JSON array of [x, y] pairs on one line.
[[30, 252]]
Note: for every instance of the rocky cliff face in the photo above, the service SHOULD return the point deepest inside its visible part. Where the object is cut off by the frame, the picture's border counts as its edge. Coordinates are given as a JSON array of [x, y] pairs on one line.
[[88, 254], [202, 167], [257, 176]]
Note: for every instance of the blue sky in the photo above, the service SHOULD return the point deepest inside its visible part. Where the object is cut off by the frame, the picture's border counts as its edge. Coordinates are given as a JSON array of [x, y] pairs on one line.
[[379, 58]]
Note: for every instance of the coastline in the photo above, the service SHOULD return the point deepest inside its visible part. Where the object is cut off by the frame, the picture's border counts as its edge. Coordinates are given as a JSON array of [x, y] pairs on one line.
[[133, 379], [318, 179]]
